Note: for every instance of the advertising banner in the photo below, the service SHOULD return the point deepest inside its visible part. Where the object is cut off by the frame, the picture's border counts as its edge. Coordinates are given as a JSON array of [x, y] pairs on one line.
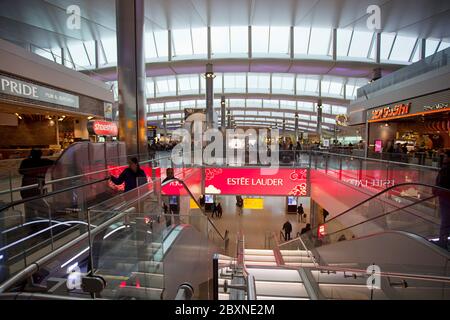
[[256, 181]]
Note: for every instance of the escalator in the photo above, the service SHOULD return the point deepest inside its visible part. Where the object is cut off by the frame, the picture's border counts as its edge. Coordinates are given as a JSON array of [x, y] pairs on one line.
[[131, 250], [384, 248]]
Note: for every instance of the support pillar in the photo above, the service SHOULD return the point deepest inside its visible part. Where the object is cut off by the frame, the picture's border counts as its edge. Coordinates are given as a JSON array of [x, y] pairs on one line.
[[131, 76], [296, 127], [209, 75]]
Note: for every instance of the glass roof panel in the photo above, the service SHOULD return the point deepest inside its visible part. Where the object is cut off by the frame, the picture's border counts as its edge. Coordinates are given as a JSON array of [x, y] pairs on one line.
[[110, 47], [360, 44], [444, 45], [78, 54], [387, 39], [320, 41], [239, 39], [200, 41], [301, 40], [279, 40], [431, 46], [260, 39], [162, 43], [402, 49], [150, 46], [182, 42], [343, 41], [220, 40]]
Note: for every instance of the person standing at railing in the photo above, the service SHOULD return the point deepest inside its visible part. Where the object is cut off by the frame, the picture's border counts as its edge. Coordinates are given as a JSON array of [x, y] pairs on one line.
[[171, 204], [443, 181], [133, 176], [33, 170]]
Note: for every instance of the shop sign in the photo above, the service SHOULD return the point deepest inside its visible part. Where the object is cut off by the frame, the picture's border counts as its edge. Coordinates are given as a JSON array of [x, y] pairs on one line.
[[103, 128], [31, 91], [256, 181], [321, 231], [390, 112], [439, 106]]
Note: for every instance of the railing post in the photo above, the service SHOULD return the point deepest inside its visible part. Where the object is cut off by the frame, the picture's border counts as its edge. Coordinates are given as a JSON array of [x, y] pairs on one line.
[[215, 277]]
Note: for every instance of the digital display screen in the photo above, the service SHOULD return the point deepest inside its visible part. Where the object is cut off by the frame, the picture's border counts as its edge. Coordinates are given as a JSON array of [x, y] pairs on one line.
[[378, 146], [173, 200], [292, 201], [209, 198]]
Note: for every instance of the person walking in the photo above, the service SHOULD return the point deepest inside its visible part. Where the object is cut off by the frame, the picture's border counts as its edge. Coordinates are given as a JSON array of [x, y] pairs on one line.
[[219, 210], [287, 228], [300, 212], [239, 204]]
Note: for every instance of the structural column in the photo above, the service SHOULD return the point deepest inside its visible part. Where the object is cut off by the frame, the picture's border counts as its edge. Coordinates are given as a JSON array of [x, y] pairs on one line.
[[319, 118], [296, 127], [209, 75], [131, 75]]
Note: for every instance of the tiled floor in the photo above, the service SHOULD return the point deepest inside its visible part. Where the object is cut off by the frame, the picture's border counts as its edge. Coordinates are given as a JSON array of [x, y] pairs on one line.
[[254, 224]]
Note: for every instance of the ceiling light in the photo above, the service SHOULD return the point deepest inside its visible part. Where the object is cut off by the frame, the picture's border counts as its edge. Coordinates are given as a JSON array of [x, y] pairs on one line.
[[90, 118], [18, 116]]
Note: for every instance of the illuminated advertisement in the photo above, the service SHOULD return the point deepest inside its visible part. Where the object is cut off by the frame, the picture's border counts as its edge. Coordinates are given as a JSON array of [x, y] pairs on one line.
[[390, 112], [192, 177], [256, 181]]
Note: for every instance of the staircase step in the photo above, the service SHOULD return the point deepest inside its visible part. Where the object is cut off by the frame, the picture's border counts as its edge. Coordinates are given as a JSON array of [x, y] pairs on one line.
[[302, 253], [297, 258], [349, 292], [259, 258], [300, 264], [281, 289], [277, 275], [261, 263], [258, 252], [144, 279]]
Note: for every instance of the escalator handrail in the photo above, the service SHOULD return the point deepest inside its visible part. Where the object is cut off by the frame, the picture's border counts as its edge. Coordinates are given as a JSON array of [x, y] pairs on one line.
[[196, 202], [384, 191], [53, 193], [373, 159], [35, 266], [388, 213], [32, 186]]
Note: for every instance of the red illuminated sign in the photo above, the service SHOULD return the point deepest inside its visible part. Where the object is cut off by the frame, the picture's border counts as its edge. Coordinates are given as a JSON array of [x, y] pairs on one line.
[[103, 128], [256, 181], [390, 112], [321, 231]]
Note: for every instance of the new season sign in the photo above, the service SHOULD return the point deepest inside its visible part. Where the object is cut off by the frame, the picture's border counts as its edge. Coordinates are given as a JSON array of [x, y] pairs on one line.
[[31, 91], [256, 181]]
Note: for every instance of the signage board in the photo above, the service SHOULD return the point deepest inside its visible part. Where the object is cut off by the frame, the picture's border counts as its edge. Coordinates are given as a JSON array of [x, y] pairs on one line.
[[27, 90], [386, 113], [103, 128], [256, 181], [254, 203]]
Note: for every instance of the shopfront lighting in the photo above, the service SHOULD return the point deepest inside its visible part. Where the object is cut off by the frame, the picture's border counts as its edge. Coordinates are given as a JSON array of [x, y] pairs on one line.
[[18, 116], [90, 118]]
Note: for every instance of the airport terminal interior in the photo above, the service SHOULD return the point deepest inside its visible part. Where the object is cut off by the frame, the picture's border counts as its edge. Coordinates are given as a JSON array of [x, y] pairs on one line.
[[224, 150]]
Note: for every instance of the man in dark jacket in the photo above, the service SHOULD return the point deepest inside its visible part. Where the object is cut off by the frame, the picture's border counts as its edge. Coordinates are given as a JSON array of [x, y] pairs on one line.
[[34, 169], [133, 176], [287, 228], [443, 181]]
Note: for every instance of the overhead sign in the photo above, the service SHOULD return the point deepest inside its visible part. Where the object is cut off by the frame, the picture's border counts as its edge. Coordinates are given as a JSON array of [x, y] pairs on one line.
[[256, 181], [103, 128], [23, 89], [390, 112]]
